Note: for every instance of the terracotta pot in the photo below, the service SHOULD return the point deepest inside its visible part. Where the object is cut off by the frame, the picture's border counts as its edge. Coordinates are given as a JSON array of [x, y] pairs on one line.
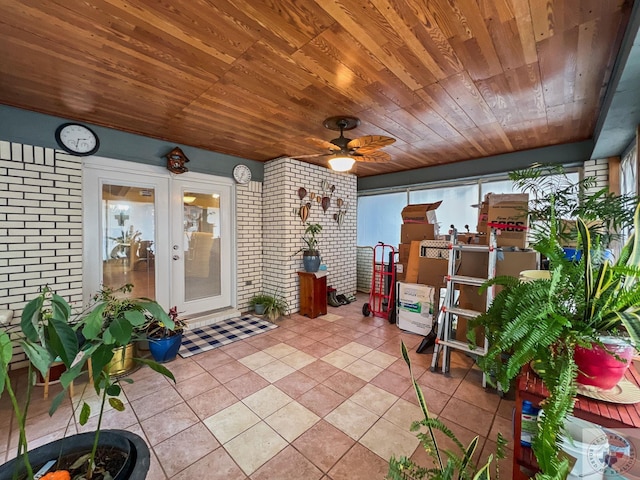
[[600, 369]]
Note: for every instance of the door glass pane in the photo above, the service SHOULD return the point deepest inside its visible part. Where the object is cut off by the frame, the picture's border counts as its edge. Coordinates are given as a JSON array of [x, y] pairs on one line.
[[128, 228], [201, 245]]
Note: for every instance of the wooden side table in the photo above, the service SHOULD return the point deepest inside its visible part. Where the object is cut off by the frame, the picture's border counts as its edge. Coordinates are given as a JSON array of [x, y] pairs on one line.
[[313, 294], [609, 415]]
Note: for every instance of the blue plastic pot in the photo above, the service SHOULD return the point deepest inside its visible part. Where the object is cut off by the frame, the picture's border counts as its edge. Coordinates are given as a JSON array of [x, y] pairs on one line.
[[165, 349]]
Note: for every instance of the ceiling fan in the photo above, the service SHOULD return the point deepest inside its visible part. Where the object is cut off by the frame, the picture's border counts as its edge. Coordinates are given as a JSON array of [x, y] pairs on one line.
[[344, 152]]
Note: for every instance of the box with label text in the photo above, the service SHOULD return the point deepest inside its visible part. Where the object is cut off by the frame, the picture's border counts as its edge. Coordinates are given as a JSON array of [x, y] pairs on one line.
[[415, 307]]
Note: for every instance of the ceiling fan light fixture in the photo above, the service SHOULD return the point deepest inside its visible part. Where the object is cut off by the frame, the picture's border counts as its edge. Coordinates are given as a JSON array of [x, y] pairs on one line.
[[341, 163]]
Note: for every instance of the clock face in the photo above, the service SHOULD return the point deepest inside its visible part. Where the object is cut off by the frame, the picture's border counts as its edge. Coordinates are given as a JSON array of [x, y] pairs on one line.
[[77, 139], [242, 174]]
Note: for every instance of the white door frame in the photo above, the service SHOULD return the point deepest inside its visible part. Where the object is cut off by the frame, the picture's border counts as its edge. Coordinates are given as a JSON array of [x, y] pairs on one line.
[[98, 169]]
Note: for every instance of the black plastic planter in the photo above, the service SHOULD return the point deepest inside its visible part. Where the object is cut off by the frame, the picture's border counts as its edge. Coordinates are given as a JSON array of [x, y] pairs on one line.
[[135, 468]]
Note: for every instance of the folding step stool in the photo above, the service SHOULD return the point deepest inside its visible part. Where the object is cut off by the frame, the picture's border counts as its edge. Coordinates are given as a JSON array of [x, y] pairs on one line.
[[444, 340]]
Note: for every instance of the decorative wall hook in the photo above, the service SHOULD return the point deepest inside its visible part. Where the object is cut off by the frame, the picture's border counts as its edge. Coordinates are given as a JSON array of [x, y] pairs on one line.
[[176, 160]]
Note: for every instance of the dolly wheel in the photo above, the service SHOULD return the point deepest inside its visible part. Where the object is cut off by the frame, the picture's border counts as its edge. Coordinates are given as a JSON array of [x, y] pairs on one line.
[[392, 316], [366, 310]]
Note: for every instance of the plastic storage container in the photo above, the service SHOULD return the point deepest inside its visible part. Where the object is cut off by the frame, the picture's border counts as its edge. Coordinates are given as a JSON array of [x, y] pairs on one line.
[[528, 423]]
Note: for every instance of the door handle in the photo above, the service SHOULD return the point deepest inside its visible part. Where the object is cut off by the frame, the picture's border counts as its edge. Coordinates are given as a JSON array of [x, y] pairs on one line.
[[176, 257]]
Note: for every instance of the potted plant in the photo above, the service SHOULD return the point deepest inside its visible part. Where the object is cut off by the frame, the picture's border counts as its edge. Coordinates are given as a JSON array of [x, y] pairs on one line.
[[457, 464], [164, 338], [310, 254], [546, 321], [258, 303], [46, 331], [275, 306]]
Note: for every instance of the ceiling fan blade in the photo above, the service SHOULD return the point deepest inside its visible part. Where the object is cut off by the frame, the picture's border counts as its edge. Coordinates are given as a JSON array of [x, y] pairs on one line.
[[324, 144], [370, 142], [373, 157]]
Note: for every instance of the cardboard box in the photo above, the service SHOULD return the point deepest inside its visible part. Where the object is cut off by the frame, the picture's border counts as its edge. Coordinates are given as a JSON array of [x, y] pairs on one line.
[[416, 306], [410, 232], [475, 264], [411, 272], [470, 300], [420, 213], [432, 271], [568, 229], [509, 209], [403, 252]]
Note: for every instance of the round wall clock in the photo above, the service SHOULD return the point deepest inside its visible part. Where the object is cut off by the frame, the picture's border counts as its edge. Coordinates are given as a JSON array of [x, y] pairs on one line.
[[77, 139], [242, 174]]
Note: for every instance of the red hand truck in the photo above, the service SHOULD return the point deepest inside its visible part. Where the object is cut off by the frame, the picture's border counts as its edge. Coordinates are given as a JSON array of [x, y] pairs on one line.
[[383, 284]]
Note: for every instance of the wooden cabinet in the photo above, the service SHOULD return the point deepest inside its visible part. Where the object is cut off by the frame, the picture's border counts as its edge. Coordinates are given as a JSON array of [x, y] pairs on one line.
[[609, 415], [313, 294]]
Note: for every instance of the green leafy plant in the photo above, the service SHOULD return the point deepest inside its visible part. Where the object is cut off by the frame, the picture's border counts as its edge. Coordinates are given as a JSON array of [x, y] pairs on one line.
[[606, 213], [48, 331], [259, 299], [159, 329], [310, 239], [457, 464], [543, 320], [275, 306]]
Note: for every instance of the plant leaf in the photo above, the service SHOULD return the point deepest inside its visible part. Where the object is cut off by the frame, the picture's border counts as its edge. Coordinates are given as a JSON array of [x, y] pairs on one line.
[[38, 356], [85, 413], [6, 352], [135, 318], [121, 330], [31, 317], [63, 340], [117, 404], [93, 323]]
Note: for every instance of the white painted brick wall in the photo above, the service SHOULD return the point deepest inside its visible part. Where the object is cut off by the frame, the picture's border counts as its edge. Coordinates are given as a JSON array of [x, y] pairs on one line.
[[599, 169], [41, 227], [283, 228], [364, 268], [249, 222]]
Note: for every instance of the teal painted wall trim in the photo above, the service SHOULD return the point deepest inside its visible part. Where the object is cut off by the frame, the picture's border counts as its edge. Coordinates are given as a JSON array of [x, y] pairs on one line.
[[568, 153], [31, 128]]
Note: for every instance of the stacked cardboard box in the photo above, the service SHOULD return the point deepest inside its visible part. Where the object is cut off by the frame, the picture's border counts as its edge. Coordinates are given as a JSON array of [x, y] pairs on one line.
[[419, 223], [508, 210]]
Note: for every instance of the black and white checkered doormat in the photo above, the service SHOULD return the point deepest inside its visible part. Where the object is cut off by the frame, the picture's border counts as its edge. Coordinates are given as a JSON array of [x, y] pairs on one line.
[[213, 336]]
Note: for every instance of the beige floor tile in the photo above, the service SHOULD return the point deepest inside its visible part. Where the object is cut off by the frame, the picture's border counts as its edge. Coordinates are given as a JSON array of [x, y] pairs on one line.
[[231, 422], [403, 414], [381, 359], [280, 350], [266, 401], [374, 399], [386, 439], [339, 359], [292, 420], [331, 317], [355, 349], [255, 447], [364, 370], [352, 419], [256, 360], [274, 371], [298, 359]]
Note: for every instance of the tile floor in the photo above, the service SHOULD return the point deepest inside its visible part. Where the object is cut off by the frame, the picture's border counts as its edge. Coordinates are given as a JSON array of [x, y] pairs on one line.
[[326, 398]]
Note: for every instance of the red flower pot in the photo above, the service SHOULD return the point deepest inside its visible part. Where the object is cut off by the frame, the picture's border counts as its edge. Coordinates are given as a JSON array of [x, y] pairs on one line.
[[598, 368]]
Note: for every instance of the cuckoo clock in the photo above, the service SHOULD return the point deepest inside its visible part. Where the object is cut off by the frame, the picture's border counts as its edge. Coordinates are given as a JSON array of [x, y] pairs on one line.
[[176, 160]]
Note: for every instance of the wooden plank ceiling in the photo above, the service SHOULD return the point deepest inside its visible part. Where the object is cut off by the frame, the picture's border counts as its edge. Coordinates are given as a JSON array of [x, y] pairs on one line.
[[451, 80]]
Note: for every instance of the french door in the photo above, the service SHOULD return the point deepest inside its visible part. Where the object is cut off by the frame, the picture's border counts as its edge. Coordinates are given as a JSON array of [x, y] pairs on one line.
[[169, 236]]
